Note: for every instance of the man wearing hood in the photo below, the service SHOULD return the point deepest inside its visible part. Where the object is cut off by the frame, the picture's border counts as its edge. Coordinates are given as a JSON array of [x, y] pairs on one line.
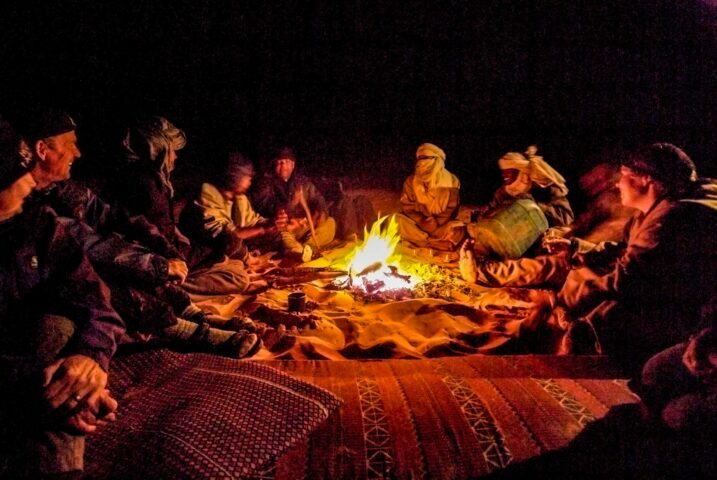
[[144, 187], [429, 203], [530, 176], [144, 271]]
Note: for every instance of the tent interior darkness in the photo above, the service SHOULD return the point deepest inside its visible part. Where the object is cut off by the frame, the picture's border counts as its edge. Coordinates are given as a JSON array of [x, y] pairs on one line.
[[354, 87]]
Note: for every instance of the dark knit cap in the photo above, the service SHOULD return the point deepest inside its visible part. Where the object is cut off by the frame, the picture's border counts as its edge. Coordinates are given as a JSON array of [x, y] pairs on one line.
[[666, 163], [238, 166], [285, 152], [35, 125], [13, 164]]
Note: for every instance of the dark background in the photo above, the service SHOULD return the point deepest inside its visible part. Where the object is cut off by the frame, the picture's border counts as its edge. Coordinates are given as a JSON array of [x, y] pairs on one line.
[[355, 86]]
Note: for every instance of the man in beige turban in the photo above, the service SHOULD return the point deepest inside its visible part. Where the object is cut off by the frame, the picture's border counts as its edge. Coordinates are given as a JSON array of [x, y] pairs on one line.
[[429, 203], [525, 177], [529, 176]]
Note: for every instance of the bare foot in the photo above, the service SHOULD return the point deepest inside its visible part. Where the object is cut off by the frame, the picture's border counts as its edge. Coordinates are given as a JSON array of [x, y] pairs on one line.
[[467, 262]]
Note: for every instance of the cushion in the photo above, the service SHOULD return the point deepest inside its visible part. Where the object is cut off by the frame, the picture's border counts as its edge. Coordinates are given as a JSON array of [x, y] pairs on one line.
[[200, 416]]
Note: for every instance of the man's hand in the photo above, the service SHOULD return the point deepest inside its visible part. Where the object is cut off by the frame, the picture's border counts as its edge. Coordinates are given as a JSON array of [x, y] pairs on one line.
[[556, 244], [89, 416], [281, 220], [296, 225], [177, 270], [72, 380]]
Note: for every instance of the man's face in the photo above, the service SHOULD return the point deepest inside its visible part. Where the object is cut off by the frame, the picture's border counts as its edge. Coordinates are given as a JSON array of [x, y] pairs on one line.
[[242, 186], [12, 198], [57, 154], [284, 168], [632, 186], [509, 175]]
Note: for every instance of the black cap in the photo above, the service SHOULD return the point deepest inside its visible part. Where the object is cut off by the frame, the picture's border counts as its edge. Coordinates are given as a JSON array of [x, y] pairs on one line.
[[37, 124], [666, 163], [13, 163], [238, 166], [285, 152]]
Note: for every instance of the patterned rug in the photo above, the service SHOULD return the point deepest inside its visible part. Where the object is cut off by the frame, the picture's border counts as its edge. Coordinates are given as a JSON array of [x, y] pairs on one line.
[[201, 416], [447, 418]]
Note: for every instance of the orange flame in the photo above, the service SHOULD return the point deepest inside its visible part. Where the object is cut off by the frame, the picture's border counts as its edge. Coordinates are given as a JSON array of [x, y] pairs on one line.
[[369, 261]]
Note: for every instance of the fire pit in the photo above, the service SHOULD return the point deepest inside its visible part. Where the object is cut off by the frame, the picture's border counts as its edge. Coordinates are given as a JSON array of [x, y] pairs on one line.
[[378, 272]]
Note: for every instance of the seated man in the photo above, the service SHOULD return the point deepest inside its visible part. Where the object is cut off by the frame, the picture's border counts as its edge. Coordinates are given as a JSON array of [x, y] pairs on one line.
[[139, 277], [144, 187], [529, 176], [223, 219], [293, 193], [641, 295], [429, 203], [532, 199], [59, 332]]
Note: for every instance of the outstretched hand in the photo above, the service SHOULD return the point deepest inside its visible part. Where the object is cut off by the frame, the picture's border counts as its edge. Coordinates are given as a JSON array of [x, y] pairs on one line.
[[281, 220], [556, 244], [466, 261]]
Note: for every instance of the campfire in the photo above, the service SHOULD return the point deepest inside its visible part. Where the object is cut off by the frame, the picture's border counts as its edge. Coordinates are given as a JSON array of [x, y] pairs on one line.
[[374, 266]]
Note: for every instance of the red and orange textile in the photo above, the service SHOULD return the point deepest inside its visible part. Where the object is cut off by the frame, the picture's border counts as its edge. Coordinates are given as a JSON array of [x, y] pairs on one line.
[[447, 418]]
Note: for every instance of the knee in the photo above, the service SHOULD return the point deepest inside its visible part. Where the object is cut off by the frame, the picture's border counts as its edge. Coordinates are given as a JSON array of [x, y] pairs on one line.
[[689, 412], [664, 367], [53, 333]]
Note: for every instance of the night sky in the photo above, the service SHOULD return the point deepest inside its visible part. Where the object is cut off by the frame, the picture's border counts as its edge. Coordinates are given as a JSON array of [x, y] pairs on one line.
[[356, 86]]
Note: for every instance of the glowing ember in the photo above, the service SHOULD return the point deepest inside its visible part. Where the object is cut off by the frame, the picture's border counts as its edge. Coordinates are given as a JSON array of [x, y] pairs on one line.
[[374, 264]]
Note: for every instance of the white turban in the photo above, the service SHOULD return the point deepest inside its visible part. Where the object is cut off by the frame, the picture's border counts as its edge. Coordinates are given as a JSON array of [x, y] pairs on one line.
[[430, 176], [534, 167], [430, 150]]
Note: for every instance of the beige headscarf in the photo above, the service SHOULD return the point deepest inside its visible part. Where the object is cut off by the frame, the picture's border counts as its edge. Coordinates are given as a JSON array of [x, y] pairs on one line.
[[533, 169], [150, 141], [431, 180]]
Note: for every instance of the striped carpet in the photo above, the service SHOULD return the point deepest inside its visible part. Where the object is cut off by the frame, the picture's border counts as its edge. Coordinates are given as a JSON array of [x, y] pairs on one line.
[[446, 418]]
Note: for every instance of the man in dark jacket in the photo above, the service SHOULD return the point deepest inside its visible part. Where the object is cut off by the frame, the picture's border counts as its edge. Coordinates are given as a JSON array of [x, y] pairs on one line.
[[130, 253], [643, 294], [282, 189], [59, 330]]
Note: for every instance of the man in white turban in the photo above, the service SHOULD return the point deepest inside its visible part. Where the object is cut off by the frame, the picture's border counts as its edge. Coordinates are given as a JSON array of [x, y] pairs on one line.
[[529, 176], [429, 203], [525, 176]]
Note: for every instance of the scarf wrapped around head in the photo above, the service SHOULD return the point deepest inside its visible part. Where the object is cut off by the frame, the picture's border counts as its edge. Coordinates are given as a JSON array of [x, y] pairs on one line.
[[431, 180], [533, 169], [150, 141]]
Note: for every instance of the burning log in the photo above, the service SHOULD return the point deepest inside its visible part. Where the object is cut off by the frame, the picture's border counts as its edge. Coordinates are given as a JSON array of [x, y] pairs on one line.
[[374, 267]]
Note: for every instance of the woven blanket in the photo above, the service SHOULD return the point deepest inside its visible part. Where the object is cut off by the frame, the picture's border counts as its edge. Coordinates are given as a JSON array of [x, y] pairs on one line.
[[447, 418], [201, 416]]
